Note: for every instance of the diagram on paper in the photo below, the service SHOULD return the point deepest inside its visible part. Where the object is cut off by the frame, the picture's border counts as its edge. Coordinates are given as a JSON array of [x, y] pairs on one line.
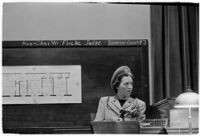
[[41, 84]]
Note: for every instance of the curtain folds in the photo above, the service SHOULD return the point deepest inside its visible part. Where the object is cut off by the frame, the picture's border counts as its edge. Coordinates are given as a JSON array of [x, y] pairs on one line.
[[174, 49]]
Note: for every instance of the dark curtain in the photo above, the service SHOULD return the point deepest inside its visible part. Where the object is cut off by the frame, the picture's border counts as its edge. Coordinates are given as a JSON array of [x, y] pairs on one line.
[[174, 49]]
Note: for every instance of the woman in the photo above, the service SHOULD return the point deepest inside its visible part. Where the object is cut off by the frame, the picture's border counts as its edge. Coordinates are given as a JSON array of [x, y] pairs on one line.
[[121, 107]]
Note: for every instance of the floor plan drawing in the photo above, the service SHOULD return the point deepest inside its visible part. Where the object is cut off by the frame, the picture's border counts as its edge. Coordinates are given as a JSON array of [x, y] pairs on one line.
[[41, 84]]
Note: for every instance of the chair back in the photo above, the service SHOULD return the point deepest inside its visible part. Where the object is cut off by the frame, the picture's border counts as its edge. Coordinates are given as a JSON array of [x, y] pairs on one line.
[[92, 116]]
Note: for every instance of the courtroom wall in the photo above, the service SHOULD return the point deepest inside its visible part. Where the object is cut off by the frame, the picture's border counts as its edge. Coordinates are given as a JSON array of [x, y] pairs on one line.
[[63, 21]]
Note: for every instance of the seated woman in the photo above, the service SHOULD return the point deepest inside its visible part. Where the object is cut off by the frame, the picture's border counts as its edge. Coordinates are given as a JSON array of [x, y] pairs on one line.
[[121, 107]]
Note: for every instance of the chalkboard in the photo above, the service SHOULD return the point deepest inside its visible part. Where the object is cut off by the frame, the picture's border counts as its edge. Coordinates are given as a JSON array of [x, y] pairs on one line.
[[98, 61]]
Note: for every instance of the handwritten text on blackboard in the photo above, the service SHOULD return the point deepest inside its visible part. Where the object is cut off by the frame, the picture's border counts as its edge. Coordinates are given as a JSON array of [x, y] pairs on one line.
[[74, 43]]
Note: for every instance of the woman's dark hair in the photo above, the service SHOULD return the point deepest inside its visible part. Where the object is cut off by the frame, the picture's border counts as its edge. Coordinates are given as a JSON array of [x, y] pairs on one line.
[[118, 81]]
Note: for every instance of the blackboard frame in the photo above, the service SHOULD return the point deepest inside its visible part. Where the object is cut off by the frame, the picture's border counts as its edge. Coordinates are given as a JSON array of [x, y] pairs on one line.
[[17, 116]]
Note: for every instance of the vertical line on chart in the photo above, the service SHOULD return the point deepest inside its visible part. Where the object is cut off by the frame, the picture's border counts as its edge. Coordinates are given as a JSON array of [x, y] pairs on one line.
[[67, 93], [41, 87], [27, 89], [52, 86]]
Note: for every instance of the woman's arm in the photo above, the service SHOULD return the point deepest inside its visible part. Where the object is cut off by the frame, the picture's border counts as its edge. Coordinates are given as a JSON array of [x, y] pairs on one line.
[[100, 115], [142, 109]]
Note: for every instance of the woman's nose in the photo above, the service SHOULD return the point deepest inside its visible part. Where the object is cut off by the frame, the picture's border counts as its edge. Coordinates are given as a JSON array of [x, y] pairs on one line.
[[130, 86]]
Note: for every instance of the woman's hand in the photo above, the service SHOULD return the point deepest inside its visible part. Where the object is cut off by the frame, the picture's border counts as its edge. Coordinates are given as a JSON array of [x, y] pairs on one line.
[[134, 113]]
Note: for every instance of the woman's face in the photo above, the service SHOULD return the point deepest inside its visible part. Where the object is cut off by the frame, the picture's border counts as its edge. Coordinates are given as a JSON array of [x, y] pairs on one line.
[[125, 87]]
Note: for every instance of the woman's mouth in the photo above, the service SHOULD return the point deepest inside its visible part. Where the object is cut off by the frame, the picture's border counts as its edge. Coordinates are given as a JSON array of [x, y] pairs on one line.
[[129, 91]]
